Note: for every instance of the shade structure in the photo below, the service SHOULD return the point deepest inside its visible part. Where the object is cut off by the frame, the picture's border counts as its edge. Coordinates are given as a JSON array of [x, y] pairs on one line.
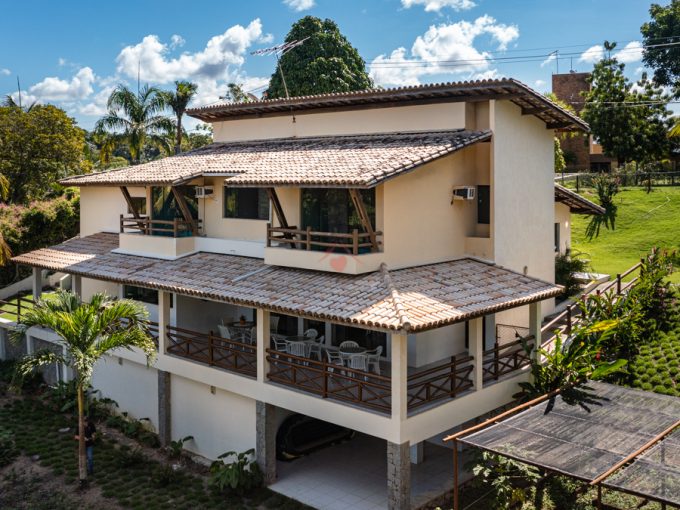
[[586, 438]]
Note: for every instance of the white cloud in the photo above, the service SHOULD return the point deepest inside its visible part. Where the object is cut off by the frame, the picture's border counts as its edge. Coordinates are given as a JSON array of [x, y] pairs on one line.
[[438, 5], [639, 70], [551, 58], [443, 49], [5, 71], [220, 52], [176, 41], [56, 89], [61, 62], [539, 83], [299, 5], [592, 55], [631, 52], [97, 107]]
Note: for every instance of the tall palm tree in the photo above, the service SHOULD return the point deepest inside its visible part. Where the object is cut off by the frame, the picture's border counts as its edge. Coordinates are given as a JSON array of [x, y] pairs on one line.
[[178, 101], [86, 331], [137, 119]]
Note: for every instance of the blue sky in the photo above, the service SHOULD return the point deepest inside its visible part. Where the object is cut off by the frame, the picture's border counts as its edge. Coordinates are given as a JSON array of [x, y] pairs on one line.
[[72, 53]]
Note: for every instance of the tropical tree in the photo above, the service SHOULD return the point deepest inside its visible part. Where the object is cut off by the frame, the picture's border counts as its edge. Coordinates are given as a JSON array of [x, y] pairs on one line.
[[178, 101], [236, 94], [660, 37], [326, 62], [9, 102], [137, 119], [86, 331]]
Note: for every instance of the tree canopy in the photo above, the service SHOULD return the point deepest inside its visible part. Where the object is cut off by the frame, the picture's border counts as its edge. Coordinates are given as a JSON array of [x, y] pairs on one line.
[[177, 101], [38, 146], [629, 120], [325, 63], [662, 30]]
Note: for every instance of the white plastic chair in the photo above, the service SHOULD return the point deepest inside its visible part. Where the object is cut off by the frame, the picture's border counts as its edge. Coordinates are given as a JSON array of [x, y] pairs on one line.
[[279, 342], [348, 343], [358, 362], [297, 349], [224, 331], [334, 358], [311, 333], [315, 348], [274, 323], [373, 359], [235, 334]]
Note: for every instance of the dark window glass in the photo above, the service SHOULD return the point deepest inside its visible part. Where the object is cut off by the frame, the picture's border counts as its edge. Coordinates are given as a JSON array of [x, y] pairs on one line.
[[483, 204], [140, 294], [246, 203], [557, 237], [365, 338], [164, 205], [139, 203]]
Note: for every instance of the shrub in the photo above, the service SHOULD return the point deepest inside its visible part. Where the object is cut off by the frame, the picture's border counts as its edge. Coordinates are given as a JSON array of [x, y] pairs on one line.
[[565, 266], [175, 448], [164, 475], [8, 450], [239, 476]]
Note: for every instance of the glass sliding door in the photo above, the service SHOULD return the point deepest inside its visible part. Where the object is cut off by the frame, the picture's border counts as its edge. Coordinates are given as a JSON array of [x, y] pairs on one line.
[[164, 207]]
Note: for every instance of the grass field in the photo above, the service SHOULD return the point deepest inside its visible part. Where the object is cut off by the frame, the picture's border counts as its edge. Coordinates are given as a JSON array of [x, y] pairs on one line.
[[643, 220], [9, 311]]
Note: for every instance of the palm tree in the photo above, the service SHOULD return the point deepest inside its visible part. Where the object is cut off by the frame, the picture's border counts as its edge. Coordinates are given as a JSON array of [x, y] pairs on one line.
[[675, 129], [137, 119], [178, 101], [87, 331], [9, 102]]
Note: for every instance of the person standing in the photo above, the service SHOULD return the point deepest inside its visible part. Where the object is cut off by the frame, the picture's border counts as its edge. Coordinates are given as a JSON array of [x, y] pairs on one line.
[[90, 436]]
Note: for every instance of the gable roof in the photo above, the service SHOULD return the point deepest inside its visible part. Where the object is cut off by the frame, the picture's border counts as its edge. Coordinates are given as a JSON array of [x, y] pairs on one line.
[[577, 204], [531, 102], [360, 161], [411, 299]]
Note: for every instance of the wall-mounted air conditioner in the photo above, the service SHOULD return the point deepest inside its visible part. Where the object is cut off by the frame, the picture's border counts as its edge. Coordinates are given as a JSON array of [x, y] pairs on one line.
[[463, 192], [204, 191]]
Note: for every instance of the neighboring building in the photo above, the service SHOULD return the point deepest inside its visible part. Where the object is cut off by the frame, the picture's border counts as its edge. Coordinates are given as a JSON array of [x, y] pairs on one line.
[[581, 152], [417, 222], [568, 202]]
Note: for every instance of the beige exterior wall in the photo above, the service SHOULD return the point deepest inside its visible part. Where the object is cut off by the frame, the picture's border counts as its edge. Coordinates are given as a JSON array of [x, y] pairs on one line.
[[372, 120], [101, 207], [563, 217]]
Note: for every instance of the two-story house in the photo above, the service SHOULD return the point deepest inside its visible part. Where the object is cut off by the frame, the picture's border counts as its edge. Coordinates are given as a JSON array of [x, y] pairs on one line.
[[416, 223]]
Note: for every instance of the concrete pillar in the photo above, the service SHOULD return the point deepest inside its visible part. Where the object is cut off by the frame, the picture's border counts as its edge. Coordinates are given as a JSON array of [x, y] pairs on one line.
[[535, 320], [164, 407], [3, 343], [398, 476], [399, 357], [37, 282], [476, 350], [77, 285], [65, 370], [263, 343], [30, 345], [417, 453], [265, 440], [163, 319]]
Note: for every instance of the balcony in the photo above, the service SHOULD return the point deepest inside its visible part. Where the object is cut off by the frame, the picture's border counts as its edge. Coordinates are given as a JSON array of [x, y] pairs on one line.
[[153, 227], [350, 253], [164, 239]]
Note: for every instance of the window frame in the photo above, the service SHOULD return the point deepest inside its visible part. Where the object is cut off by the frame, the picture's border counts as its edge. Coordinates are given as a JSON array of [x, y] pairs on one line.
[[262, 195]]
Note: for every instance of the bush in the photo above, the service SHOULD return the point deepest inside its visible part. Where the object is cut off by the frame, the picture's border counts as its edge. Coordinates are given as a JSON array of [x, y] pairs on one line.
[[240, 476], [164, 475], [565, 266]]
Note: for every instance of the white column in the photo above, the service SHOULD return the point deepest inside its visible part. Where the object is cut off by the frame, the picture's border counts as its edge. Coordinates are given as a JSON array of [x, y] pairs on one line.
[[263, 343], [30, 347], [476, 349], [163, 320], [37, 282], [399, 359], [535, 325], [66, 372], [77, 285]]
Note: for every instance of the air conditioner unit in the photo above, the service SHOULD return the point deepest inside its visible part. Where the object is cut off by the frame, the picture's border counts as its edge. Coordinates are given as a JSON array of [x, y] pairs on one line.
[[463, 192], [204, 191]]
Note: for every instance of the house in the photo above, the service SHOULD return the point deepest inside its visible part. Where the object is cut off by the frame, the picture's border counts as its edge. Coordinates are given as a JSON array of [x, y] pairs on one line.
[[568, 202], [417, 222]]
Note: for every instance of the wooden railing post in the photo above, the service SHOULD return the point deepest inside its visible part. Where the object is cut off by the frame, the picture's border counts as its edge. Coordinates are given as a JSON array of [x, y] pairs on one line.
[[454, 375], [18, 308], [618, 284], [496, 356], [121, 224], [324, 365], [211, 357], [355, 241], [309, 238]]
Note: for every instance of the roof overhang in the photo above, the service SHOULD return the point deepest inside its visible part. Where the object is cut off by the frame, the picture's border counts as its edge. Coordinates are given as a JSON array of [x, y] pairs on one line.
[[577, 204]]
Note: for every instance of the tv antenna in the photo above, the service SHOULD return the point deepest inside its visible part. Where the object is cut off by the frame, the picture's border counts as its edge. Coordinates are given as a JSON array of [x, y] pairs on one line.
[[279, 51]]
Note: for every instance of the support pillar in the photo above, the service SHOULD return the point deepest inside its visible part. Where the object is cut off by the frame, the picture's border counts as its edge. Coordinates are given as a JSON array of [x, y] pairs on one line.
[[37, 283], [263, 343], [399, 357], [417, 453], [164, 407], [163, 320], [535, 326], [476, 350], [398, 476], [77, 285], [265, 440], [3, 343]]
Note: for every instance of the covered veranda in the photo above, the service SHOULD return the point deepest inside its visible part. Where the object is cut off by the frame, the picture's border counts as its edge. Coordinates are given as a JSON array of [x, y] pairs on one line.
[[608, 436]]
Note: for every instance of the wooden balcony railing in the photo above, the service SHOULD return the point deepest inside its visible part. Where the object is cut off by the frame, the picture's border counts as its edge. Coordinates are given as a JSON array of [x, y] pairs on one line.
[[447, 380], [330, 381], [506, 358], [213, 350], [12, 309], [171, 228], [355, 242]]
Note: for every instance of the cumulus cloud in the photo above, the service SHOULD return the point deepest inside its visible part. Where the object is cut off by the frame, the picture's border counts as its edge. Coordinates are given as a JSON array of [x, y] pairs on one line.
[[592, 55], [176, 41], [97, 106], [539, 83], [551, 58], [438, 5], [5, 71], [221, 51], [299, 5], [443, 49], [56, 89], [631, 52]]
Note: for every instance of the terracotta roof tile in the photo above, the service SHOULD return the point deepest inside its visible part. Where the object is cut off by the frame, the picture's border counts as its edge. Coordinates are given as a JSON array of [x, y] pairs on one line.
[[411, 299], [577, 204], [347, 161]]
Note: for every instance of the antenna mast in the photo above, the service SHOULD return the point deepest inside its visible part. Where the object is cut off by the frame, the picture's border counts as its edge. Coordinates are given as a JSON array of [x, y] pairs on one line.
[[19, 88]]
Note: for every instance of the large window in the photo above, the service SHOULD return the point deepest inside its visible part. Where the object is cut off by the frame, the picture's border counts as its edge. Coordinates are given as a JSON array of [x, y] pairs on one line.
[[246, 203], [139, 203], [332, 210]]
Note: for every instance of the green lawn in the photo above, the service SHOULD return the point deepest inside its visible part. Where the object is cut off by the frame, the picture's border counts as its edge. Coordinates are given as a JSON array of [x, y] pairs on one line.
[[9, 310], [657, 366], [644, 220]]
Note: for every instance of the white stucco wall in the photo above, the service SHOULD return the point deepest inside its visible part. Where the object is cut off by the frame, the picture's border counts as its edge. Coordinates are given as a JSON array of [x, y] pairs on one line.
[[219, 422], [133, 386], [563, 217], [101, 207], [436, 345], [372, 120]]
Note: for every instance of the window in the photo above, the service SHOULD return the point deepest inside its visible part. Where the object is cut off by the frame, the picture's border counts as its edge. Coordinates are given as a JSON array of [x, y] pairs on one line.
[[483, 204], [139, 203], [140, 294], [557, 237], [246, 203]]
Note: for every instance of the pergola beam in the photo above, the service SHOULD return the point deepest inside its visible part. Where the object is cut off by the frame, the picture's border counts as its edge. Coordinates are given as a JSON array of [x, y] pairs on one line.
[[278, 210], [186, 212], [132, 207], [363, 216]]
